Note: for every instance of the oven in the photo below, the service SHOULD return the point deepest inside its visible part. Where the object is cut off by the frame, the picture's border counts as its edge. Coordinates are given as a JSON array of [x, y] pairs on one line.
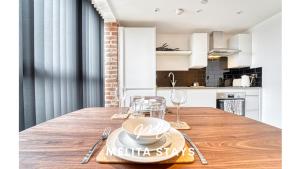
[[233, 102]]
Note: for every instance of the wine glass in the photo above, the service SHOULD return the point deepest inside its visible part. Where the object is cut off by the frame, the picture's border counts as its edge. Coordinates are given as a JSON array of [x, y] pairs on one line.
[[178, 97], [120, 100]]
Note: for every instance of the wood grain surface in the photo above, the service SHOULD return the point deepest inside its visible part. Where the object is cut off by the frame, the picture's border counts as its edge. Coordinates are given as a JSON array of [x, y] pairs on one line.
[[227, 141]]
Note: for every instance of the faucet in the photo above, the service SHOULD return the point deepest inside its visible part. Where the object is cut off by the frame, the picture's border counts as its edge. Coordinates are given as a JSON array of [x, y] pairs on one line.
[[173, 81]]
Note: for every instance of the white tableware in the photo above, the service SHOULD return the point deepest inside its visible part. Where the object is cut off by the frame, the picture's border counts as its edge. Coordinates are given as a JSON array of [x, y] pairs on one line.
[[130, 143], [117, 149], [146, 130]]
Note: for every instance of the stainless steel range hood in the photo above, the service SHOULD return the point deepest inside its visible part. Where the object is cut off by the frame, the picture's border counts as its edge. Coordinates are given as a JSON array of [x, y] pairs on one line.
[[218, 45]]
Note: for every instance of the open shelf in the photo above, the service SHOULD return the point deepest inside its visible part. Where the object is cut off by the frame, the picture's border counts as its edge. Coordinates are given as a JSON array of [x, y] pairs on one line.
[[174, 53]]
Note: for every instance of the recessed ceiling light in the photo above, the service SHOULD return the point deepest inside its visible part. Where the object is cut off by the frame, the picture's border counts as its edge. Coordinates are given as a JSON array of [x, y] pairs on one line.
[[199, 10], [239, 12], [179, 11], [204, 1], [156, 10]]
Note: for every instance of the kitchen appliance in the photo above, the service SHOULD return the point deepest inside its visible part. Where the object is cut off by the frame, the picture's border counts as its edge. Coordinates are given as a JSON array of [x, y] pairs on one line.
[[236, 82], [245, 81], [227, 82], [218, 46], [232, 102]]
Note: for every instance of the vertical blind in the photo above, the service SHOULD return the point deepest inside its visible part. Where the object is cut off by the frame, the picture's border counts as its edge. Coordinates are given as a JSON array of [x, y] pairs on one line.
[[61, 59]]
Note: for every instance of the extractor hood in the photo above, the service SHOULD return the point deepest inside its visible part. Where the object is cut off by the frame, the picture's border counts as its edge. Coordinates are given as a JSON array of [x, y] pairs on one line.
[[218, 46]]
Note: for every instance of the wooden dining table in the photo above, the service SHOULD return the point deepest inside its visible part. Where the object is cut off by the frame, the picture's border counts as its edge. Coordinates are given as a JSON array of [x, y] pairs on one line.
[[227, 141]]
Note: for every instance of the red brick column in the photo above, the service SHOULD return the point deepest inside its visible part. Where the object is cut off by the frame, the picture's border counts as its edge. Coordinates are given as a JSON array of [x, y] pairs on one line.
[[111, 63]]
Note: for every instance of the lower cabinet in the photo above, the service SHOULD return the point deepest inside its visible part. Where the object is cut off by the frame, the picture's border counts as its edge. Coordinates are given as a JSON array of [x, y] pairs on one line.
[[201, 98], [166, 93], [207, 98], [137, 92], [195, 98], [252, 107]]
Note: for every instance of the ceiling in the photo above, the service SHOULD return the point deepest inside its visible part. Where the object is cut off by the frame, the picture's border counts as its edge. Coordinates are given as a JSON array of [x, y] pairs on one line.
[[215, 15]]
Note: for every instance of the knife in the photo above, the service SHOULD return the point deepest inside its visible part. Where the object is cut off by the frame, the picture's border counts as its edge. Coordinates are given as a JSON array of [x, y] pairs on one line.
[[200, 155]]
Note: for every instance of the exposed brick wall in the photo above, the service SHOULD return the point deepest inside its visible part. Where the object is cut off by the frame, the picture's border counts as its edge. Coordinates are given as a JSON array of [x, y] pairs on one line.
[[111, 63]]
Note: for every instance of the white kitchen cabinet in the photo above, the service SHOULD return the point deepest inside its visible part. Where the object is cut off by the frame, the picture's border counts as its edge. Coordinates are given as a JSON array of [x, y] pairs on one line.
[[139, 64], [199, 47], [201, 98], [242, 42], [207, 98], [166, 93], [195, 98], [252, 106]]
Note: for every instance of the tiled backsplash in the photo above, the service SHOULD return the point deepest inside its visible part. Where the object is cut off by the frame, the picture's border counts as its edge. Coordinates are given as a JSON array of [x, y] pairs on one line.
[[183, 78], [237, 73], [214, 75]]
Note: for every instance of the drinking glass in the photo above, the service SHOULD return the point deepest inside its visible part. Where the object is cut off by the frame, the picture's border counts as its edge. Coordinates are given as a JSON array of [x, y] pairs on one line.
[[157, 110], [178, 97], [137, 105]]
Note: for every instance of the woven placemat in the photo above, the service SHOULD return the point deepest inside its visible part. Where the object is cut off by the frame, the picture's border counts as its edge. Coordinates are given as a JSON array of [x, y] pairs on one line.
[[120, 116], [183, 126]]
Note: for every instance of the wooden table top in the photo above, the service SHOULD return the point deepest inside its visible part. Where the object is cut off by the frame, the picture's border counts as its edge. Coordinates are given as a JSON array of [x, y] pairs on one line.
[[227, 141]]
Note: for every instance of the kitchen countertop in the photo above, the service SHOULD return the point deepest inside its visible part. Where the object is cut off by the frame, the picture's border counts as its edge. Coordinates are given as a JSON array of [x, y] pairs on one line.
[[204, 87], [226, 140]]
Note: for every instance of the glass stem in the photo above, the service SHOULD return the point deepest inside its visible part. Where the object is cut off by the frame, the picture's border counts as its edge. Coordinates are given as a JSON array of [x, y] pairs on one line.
[[178, 120]]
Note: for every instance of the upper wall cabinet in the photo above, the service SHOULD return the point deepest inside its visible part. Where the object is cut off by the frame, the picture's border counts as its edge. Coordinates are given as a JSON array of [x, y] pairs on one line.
[[199, 47], [242, 42]]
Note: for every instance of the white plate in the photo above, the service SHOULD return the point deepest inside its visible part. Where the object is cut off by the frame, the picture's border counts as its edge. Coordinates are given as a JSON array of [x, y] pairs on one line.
[[117, 149], [129, 143]]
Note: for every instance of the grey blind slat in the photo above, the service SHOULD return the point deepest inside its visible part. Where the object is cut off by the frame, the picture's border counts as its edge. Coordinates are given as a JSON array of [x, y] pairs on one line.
[[56, 58], [48, 58], [27, 65], [39, 61], [63, 81]]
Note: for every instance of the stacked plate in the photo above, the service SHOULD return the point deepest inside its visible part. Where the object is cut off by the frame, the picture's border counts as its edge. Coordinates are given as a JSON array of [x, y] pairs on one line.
[[145, 140]]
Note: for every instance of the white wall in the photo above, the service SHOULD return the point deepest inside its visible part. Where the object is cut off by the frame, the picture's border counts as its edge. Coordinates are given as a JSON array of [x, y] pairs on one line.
[[266, 48], [181, 41]]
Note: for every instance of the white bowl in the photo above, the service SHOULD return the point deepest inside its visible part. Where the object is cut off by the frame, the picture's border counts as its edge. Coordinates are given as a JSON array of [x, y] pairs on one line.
[[146, 130]]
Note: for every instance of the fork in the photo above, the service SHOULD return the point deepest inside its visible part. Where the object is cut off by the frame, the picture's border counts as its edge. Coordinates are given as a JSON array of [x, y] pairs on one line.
[[103, 137]]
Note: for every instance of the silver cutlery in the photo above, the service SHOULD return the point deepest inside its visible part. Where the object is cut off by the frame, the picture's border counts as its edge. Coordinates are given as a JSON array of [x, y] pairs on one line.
[[104, 136], [200, 155]]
